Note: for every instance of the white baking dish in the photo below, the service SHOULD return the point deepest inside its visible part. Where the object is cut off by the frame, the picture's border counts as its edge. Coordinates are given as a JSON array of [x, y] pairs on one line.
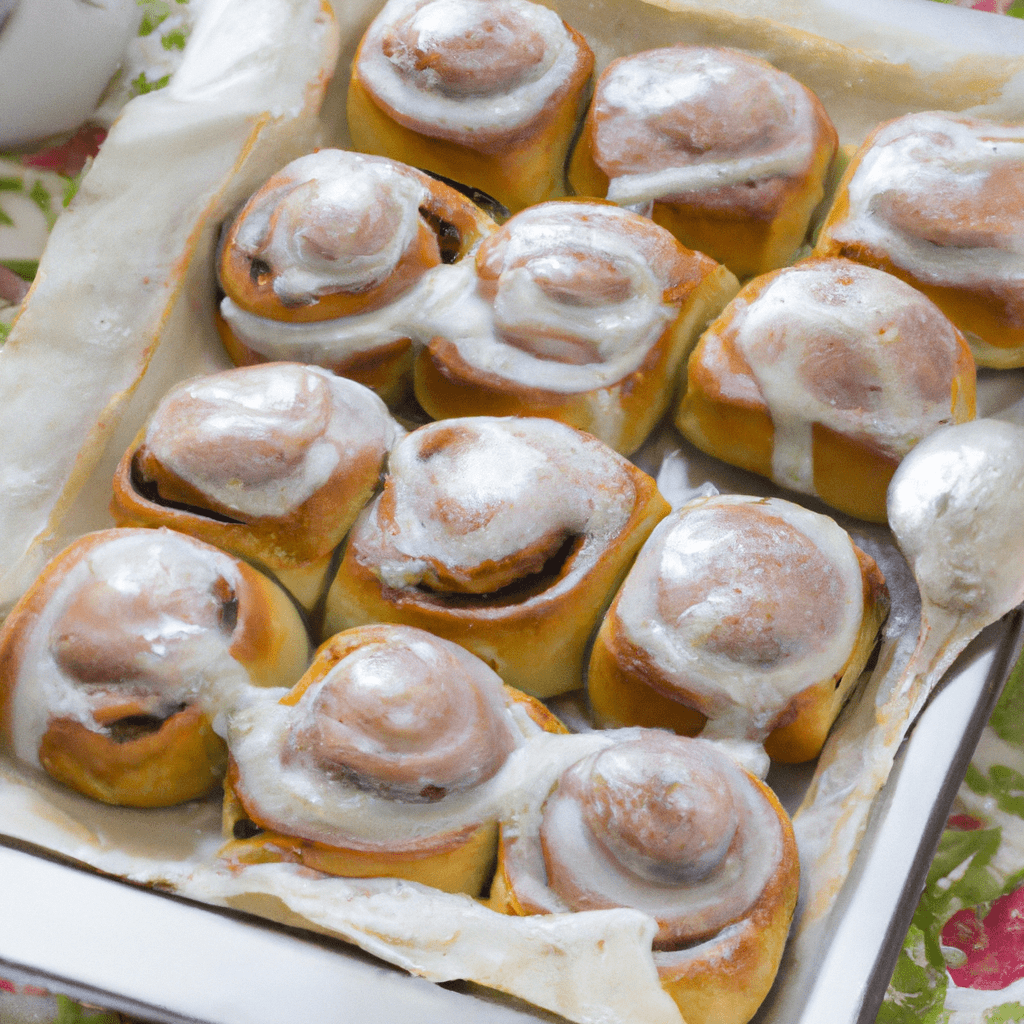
[[173, 960]]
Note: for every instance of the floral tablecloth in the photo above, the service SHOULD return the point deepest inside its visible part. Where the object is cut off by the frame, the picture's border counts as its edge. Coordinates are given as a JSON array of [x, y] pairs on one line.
[[963, 958]]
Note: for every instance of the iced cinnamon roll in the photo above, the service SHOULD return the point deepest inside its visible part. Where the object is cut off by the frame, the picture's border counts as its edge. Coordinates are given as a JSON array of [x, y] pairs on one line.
[[271, 462], [673, 827], [508, 536], [748, 618], [936, 198], [387, 758], [729, 153], [822, 376], [329, 259], [587, 312], [117, 660], [486, 92]]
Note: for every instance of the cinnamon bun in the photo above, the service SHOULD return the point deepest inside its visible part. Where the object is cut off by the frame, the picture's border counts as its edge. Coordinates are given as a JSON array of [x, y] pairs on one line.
[[582, 312], [732, 152], [508, 536], [387, 758], [675, 828], [116, 661], [327, 261], [486, 92], [936, 198], [271, 462], [822, 376], [748, 618]]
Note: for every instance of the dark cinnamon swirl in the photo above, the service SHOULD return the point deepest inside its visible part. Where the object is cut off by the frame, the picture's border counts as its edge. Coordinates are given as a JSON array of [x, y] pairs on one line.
[[506, 535]]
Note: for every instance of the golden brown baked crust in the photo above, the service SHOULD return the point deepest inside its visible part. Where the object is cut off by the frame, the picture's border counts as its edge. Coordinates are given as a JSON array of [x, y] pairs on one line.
[[752, 613], [735, 165], [508, 536], [485, 92], [331, 239], [393, 718], [822, 376], [114, 663], [590, 313], [934, 198], [657, 822], [271, 462]]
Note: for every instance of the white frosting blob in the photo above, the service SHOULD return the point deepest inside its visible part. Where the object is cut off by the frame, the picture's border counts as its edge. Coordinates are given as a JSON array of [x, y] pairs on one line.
[[956, 505]]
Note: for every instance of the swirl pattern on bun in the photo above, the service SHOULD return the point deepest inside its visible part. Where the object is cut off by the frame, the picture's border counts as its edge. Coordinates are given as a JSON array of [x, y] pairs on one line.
[[115, 662], [506, 535], [730, 152], [748, 618], [486, 92], [339, 237], [822, 376], [271, 462], [673, 827], [387, 758], [588, 312], [935, 199]]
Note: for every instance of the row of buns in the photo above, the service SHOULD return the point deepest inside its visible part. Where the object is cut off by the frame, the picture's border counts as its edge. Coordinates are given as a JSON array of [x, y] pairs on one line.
[[531, 544], [147, 667]]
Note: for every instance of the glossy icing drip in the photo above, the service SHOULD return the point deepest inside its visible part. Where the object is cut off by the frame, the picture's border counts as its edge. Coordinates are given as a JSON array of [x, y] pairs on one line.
[[470, 71], [938, 195], [673, 122], [744, 602], [262, 440], [846, 346]]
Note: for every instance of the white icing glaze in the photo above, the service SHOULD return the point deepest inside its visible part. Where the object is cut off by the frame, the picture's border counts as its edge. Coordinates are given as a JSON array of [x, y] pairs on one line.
[[791, 578], [512, 56], [158, 585], [290, 782], [648, 791], [936, 162], [261, 440], [567, 343], [338, 221], [849, 347], [582, 286], [681, 120], [465, 492]]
